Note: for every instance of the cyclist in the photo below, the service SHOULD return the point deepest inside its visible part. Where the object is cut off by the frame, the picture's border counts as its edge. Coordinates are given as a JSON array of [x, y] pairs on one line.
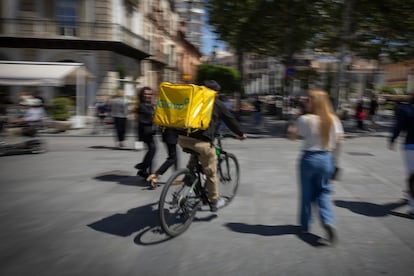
[[32, 118], [201, 142]]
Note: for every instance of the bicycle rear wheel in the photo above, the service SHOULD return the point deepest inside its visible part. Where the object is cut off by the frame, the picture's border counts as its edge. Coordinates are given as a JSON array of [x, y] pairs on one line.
[[229, 175], [178, 203]]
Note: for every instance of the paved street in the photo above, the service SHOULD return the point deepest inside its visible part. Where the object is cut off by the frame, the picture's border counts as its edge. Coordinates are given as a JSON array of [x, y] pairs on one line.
[[79, 209]]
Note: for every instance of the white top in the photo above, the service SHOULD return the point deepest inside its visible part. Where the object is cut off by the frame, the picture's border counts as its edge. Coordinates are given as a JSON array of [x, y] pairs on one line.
[[34, 114], [119, 107], [308, 127]]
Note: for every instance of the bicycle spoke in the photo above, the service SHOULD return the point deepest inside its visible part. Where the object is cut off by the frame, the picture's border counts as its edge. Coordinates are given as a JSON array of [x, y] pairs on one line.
[[229, 174], [178, 204]]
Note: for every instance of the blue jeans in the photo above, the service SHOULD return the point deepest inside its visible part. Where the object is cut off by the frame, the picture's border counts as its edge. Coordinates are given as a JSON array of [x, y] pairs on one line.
[[316, 168]]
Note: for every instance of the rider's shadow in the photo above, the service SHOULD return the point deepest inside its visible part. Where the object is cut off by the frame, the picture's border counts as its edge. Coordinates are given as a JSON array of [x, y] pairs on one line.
[[142, 220], [123, 178], [277, 230]]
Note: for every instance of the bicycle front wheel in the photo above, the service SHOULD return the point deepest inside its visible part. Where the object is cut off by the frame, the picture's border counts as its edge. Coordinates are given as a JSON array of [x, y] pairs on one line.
[[178, 203], [229, 175]]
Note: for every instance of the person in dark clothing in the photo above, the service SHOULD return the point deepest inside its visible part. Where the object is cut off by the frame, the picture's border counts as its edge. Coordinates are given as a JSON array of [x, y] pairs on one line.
[[258, 112], [119, 111], [373, 108], [360, 115], [145, 114], [202, 142], [169, 137], [404, 122]]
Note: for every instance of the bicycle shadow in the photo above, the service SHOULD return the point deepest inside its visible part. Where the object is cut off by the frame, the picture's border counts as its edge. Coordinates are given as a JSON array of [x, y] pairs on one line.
[[277, 230], [123, 178], [371, 209], [143, 220]]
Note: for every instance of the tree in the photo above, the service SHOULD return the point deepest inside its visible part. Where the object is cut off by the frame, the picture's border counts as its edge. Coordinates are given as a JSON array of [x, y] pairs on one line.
[[281, 28], [231, 21], [227, 77], [370, 28], [273, 28]]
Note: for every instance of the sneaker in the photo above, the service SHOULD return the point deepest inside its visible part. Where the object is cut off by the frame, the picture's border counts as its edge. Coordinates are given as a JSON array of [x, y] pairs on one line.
[[331, 232], [138, 166], [143, 174], [220, 203]]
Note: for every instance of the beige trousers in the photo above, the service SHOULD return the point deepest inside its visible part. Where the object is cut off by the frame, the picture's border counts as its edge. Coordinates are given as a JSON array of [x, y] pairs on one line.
[[208, 160]]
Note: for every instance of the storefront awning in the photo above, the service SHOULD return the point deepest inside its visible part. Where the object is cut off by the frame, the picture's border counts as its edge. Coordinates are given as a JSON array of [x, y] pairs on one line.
[[42, 74]]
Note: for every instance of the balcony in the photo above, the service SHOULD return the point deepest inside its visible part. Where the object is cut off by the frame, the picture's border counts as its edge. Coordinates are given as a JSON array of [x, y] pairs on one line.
[[49, 34], [158, 56]]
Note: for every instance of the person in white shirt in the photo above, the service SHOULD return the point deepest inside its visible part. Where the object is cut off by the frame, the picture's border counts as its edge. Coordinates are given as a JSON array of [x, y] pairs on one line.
[[119, 112], [34, 112], [321, 131]]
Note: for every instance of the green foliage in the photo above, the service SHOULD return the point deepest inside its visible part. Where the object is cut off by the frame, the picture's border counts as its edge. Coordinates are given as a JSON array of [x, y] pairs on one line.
[[370, 28], [59, 109], [227, 77], [376, 28], [274, 28]]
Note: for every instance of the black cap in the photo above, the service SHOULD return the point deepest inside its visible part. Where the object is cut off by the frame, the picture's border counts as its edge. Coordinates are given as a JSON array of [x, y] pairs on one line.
[[212, 84]]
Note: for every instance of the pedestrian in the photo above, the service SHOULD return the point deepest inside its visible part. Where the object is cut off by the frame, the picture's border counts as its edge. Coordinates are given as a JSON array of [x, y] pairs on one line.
[[201, 141], [33, 117], [258, 112], [360, 115], [321, 131], [169, 137], [145, 114], [119, 112], [373, 109], [101, 112], [404, 122]]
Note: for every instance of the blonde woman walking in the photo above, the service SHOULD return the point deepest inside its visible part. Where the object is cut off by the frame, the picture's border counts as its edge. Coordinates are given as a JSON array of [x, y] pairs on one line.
[[321, 131]]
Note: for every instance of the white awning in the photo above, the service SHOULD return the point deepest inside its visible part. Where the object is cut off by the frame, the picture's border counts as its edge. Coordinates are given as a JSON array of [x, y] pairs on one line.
[[41, 74]]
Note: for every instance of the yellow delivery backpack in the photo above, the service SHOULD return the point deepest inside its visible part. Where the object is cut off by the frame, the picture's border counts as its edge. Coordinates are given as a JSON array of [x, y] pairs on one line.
[[185, 106]]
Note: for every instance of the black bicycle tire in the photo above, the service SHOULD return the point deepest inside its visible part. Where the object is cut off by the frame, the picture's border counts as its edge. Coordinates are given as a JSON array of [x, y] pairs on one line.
[[229, 156], [163, 222]]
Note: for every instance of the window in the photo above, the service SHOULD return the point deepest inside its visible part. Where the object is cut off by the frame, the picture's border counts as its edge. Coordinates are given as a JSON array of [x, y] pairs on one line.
[[67, 16], [27, 6]]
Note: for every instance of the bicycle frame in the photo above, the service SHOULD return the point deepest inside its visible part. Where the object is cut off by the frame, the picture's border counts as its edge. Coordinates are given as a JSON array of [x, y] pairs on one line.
[[222, 156]]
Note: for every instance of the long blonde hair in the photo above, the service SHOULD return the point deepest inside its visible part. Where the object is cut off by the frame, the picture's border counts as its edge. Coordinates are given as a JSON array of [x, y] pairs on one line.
[[322, 107]]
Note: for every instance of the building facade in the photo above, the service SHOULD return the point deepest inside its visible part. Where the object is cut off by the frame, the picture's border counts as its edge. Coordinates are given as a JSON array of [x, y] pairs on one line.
[[122, 43], [191, 13], [400, 75]]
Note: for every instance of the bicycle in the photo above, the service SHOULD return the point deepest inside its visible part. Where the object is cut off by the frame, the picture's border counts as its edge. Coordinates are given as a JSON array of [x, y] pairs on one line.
[[185, 193]]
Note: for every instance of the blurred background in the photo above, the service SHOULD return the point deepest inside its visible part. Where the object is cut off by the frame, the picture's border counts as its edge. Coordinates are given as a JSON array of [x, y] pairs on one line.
[[77, 51]]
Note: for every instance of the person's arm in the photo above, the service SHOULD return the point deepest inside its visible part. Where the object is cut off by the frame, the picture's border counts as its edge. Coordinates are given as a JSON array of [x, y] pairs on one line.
[[227, 117], [339, 137]]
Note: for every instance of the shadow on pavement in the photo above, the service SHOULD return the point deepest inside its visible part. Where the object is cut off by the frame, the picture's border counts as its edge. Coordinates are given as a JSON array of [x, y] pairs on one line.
[[123, 178], [372, 209], [111, 148], [276, 230], [142, 220]]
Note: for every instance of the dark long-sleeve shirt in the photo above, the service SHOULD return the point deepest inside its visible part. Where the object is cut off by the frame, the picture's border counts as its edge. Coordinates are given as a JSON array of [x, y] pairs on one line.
[[220, 112], [404, 121]]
